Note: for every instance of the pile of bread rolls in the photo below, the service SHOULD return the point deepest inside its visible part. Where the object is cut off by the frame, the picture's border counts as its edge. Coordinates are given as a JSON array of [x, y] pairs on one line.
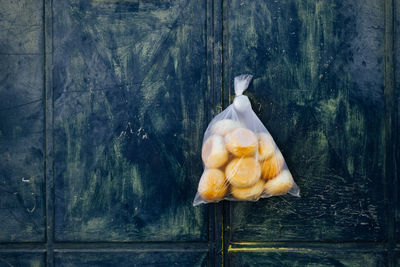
[[240, 164]]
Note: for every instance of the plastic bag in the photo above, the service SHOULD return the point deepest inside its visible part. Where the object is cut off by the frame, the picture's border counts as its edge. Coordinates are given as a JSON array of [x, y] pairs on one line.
[[241, 160]]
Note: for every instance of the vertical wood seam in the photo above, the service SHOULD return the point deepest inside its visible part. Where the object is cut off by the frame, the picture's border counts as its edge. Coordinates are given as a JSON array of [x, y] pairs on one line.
[[216, 52], [389, 140], [225, 93], [396, 116], [225, 60], [48, 128], [208, 93], [208, 104]]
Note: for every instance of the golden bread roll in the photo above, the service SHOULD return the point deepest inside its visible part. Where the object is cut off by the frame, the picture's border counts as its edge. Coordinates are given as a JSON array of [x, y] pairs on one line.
[[272, 166], [241, 142], [243, 172], [248, 193], [213, 185], [214, 153], [266, 146], [222, 127], [280, 185]]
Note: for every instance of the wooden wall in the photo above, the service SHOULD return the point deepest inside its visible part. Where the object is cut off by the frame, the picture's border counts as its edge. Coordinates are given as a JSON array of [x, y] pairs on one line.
[[103, 106]]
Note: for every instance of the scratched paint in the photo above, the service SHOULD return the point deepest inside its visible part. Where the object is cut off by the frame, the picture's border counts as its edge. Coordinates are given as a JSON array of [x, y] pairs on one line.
[[28, 259], [129, 113], [21, 122], [317, 258], [139, 258], [129, 86], [318, 88], [266, 249]]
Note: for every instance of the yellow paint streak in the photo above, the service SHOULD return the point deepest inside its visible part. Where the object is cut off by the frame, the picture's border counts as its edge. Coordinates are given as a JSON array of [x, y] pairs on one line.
[[230, 249], [244, 243]]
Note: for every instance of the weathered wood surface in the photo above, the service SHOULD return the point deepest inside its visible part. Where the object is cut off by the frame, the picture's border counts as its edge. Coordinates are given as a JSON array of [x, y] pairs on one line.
[[25, 259], [134, 85], [21, 122], [397, 93], [129, 92], [309, 258], [165, 258], [318, 87], [397, 258]]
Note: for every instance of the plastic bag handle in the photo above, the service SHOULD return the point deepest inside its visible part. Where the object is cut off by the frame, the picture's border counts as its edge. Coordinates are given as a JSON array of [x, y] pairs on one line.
[[242, 82]]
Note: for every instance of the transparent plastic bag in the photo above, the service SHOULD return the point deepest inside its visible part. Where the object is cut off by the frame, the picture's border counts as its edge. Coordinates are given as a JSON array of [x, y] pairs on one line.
[[240, 158]]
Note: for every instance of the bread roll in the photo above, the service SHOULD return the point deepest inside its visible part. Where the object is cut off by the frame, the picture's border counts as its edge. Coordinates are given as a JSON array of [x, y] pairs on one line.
[[241, 142], [222, 127], [213, 185], [266, 146], [272, 166], [214, 153], [248, 193], [280, 185], [243, 172]]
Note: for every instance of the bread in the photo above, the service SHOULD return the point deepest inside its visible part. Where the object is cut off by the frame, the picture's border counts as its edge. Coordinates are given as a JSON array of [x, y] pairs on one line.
[[241, 142], [243, 172], [222, 127], [248, 193], [213, 185], [272, 166], [214, 153], [266, 146], [280, 185]]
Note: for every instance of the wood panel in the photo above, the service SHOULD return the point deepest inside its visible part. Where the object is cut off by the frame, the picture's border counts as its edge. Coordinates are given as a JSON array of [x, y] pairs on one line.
[[396, 37], [318, 87], [309, 258], [28, 259], [396, 261], [144, 258], [21, 122], [129, 107], [132, 85]]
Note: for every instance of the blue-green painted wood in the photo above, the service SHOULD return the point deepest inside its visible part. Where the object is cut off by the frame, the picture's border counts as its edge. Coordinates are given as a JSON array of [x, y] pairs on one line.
[[397, 258], [310, 258], [21, 122], [318, 87], [129, 108], [140, 258], [25, 259], [135, 83], [22, 28], [397, 94]]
